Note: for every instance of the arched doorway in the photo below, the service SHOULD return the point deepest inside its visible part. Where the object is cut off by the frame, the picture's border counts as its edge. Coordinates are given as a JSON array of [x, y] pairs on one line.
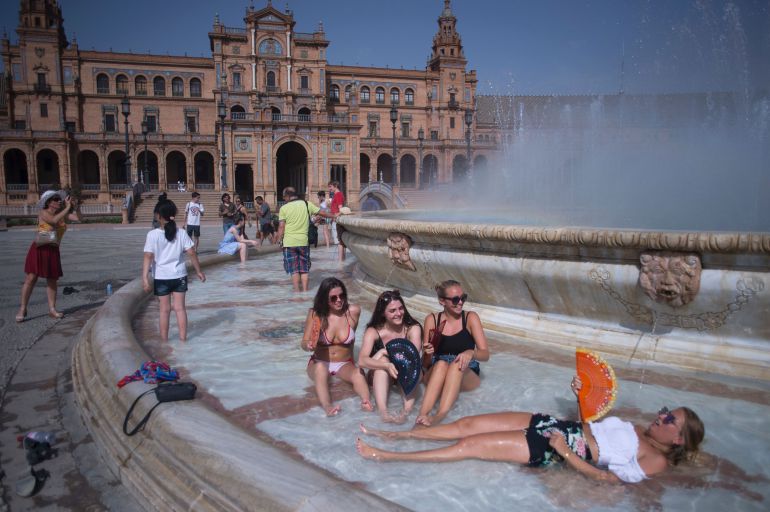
[[408, 171], [244, 182], [48, 169], [176, 168], [151, 179], [16, 174], [291, 168], [429, 171], [385, 168], [480, 163], [459, 169], [364, 165], [204, 169], [88, 170], [116, 168]]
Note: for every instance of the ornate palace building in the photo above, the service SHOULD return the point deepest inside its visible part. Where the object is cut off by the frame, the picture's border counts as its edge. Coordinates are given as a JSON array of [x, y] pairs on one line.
[[265, 111]]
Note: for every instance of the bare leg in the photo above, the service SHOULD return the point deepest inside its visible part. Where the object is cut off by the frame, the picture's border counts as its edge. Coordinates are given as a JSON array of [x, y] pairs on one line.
[[244, 249], [165, 311], [493, 446], [453, 383], [464, 427], [181, 314], [26, 292], [341, 250], [432, 391], [304, 279], [351, 373], [319, 374], [50, 290], [295, 282], [381, 387]]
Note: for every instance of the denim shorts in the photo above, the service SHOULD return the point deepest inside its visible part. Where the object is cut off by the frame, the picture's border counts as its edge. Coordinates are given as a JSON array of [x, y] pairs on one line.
[[193, 231], [165, 286], [473, 365]]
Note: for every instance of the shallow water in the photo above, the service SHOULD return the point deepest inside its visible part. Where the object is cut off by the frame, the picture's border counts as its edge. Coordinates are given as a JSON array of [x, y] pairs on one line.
[[243, 352]]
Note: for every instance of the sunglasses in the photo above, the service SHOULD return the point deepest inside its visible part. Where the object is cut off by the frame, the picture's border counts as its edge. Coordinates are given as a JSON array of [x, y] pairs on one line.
[[57, 198], [668, 416], [457, 299], [390, 295], [335, 298]]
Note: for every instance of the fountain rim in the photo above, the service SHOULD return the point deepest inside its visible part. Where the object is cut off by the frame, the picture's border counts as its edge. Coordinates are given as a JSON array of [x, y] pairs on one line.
[[725, 242]]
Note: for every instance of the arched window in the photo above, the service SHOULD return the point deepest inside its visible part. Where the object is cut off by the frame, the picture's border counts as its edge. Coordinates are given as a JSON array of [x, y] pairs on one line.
[[177, 87], [102, 84], [347, 94], [270, 81], [304, 114], [379, 95], [158, 86], [275, 113], [121, 84], [140, 86], [364, 94], [195, 88], [334, 93], [409, 97], [395, 95], [270, 47]]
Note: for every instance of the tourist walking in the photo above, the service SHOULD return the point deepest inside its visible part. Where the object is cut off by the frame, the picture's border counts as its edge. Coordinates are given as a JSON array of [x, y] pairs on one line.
[[454, 343], [337, 202], [193, 213], [227, 212], [265, 221], [164, 251], [390, 321], [324, 223], [625, 452], [293, 223], [330, 333], [234, 240], [43, 257]]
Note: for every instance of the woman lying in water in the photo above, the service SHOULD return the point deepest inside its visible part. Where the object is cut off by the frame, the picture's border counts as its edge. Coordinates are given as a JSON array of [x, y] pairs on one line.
[[626, 453]]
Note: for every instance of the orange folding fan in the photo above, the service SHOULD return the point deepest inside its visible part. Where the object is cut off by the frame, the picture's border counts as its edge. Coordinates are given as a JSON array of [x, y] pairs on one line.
[[597, 396]]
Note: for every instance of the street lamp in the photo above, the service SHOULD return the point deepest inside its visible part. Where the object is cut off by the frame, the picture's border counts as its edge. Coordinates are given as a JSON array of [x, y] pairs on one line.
[[125, 108], [393, 119], [146, 173], [468, 122], [420, 138], [222, 111]]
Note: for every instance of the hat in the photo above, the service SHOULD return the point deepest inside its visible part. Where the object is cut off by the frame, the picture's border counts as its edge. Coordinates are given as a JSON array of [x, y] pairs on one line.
[[345, 210], [48, 194], [405, 357]]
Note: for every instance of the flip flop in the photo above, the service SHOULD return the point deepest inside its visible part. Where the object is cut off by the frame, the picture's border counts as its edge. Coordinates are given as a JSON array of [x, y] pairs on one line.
[[31, 484]]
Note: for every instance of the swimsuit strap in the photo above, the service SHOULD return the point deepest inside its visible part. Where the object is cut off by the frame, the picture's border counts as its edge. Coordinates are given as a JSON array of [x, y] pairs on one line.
[[462, 314]]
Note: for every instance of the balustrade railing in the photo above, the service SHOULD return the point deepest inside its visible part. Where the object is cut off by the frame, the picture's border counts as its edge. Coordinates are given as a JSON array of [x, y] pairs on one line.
[[204, 186], [17, 187]]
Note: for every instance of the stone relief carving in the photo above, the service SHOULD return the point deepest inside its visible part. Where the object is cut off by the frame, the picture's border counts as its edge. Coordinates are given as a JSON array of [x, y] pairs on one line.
[[672, 278], [398, 250]]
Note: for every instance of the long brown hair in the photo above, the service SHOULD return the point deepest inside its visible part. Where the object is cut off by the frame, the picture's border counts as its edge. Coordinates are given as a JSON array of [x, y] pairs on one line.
[[693, 432]]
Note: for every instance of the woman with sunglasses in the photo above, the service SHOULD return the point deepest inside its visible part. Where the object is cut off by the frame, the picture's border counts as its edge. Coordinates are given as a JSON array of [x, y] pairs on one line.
[[454, 343], [56, 207], [390, 320], [625, 452], [330, 333]]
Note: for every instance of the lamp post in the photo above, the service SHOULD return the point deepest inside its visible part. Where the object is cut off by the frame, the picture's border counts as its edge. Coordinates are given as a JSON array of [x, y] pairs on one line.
[[125, 107], [420, 138], [393, 119], [146, 174], [468, 122], [222, 111]]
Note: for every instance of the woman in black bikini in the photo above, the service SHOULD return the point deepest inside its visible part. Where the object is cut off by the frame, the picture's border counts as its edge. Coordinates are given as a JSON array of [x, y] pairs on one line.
[[461, 344], [330, 333], [390, 320]]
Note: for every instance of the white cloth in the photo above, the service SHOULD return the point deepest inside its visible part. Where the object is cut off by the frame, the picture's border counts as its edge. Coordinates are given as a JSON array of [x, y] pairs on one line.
[[194, 211], [618, 445], [169, 261]]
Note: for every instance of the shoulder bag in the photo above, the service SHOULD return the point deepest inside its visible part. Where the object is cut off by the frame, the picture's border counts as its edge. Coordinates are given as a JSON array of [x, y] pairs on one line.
[[46, 238], [164, 393], [312, 229]]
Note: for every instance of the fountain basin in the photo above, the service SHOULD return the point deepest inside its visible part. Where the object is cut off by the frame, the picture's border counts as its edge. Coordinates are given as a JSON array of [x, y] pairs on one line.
[[574, 286]]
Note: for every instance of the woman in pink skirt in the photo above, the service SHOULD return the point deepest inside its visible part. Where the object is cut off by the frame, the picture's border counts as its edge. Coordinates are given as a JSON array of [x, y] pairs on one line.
[[44, 260]]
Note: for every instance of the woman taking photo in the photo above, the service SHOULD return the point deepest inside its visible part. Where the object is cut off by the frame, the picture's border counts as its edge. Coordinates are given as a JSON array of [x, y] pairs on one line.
[[234, 241], [43, 258], [625, 452], [454, 344], [164, 251], [390, 320], [330, 333], [241, 209]]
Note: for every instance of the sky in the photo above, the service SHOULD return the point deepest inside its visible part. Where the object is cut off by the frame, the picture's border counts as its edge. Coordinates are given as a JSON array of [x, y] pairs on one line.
[[516, 46]]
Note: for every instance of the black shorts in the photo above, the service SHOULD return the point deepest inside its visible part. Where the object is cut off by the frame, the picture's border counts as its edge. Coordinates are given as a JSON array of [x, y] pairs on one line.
[[538, 433], [193, 231], [165, 286], [266, 229]]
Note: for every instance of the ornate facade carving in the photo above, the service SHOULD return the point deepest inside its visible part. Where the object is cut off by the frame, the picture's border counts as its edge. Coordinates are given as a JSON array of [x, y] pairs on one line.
[[398, 250], [672, 278]]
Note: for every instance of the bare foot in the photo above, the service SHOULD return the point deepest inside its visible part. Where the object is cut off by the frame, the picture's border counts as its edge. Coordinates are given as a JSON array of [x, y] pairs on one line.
[[333, 410], [396, 418], [422, 421], [366, 451], [383, 434], [366, 405]]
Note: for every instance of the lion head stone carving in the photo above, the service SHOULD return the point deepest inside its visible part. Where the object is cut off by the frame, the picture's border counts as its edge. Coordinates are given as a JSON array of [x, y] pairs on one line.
[[670, 277]]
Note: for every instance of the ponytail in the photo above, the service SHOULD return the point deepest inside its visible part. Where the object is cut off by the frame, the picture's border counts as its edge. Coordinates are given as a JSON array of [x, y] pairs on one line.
[[167, 211]]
